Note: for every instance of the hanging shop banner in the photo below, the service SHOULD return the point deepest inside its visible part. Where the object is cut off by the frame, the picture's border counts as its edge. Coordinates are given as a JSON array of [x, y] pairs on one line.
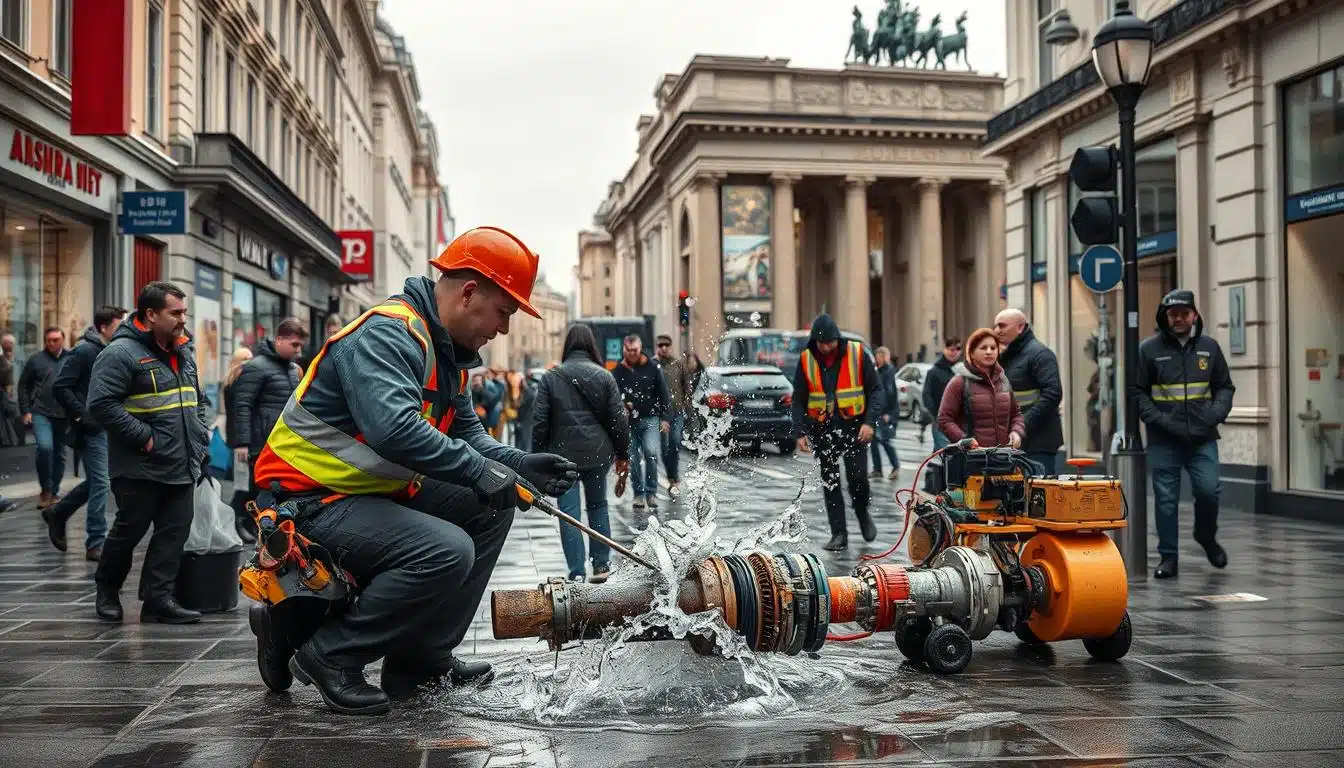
[[1309, 205], [746, 242], [205, 309]]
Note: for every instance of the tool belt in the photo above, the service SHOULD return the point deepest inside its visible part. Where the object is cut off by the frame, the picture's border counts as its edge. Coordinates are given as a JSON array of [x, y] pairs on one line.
[[286, 563]]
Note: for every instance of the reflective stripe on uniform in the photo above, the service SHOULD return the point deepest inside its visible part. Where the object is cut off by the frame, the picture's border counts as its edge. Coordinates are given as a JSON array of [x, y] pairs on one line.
[[850, 398], [816, 390], [1177, 393], [1026, 397], [151, 402]]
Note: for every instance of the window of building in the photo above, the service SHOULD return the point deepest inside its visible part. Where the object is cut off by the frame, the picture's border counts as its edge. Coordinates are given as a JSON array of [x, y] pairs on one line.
[[331, 94], [284, 150], [60, 39], [1314, 368], [229, 79], [283, 36], [267, 136], [252, 113], [206, 59], [154, 70], [13, 21], [267, 19], [46, 277], [1045, 52]]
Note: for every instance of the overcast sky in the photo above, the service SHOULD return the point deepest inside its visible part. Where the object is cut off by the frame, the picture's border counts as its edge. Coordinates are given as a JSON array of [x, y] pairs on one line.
[[536, 100]]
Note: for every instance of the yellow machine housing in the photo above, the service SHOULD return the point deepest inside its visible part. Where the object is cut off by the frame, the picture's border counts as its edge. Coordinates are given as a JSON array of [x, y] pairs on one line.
[[1074, 500]]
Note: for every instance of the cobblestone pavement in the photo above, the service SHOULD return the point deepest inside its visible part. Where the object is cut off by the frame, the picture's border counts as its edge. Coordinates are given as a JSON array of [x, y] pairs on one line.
[[1236, 684]]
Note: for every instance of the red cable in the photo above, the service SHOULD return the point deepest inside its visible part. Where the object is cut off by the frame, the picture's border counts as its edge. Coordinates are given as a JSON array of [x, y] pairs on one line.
[[847, 638], [909, 516]]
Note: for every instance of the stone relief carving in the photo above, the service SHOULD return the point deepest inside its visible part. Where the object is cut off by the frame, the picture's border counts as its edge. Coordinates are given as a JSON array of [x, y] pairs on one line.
[[965, 100], [913, 97], [864, 95], [933, 155], [1234, 63], [1182, 86], [816, 94]]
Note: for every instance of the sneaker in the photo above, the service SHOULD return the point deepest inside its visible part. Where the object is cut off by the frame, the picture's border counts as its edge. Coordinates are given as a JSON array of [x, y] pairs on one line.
[[577, 578], [674, 489], [651, 501], [639, 502], [895, 474], [876, 474]]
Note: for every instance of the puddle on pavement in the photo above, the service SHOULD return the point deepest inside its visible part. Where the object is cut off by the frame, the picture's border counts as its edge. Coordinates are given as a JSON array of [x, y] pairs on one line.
[[615, 682]]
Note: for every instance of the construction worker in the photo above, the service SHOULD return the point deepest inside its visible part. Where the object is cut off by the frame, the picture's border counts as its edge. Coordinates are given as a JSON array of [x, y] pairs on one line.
[[837, 399], [389, 467]]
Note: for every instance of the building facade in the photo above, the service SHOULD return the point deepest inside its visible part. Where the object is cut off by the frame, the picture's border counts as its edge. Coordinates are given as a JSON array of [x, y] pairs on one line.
[[1240, 193], [771, 193], [595, 274]]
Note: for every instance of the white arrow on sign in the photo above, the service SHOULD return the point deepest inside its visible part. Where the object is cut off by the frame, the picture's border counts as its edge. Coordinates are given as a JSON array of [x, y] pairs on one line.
[[1098, 262]]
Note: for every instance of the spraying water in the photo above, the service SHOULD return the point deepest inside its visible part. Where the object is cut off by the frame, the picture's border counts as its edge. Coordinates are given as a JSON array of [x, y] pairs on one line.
[[613, 679]]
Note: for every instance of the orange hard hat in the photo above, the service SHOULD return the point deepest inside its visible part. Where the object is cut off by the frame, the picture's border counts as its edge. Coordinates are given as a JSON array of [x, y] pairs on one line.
[[499, 257]]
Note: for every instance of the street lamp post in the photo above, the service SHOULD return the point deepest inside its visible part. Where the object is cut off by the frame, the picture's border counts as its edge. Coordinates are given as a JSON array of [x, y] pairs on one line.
[[1122, 52]]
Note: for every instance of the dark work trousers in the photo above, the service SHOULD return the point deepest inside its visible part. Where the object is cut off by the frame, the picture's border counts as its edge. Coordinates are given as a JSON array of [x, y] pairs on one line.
[[421, 570], [836, 443], [140, 503]]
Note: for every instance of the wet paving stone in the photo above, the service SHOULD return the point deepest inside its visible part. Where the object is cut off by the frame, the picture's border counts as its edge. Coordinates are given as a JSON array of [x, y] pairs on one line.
[[1246, 685]]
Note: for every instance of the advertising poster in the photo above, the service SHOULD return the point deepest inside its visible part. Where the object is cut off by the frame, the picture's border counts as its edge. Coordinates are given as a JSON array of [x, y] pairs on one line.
[[205, 330], [746, 242]]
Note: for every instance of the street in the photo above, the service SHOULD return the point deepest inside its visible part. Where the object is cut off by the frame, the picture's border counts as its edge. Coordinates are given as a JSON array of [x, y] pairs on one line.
[[1206, 684]]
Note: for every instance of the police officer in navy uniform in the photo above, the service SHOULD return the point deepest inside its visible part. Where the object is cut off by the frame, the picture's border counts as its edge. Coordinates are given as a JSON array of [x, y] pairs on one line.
[[1184, 391]]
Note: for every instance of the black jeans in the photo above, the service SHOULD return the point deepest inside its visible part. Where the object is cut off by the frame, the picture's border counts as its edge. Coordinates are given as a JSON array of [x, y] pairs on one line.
[[421, 570], [141, 503], [833, 445]]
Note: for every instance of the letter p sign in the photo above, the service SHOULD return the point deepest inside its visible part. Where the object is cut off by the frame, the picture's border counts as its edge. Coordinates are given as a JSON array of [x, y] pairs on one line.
[[357, 253]]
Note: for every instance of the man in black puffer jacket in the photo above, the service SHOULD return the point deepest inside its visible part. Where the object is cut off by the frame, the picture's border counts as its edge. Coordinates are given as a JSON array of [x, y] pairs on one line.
[[1184, 391], [262, 389], [1033, 370], [71, 389]]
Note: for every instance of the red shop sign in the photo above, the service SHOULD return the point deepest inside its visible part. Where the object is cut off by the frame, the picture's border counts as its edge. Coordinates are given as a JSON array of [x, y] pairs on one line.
[[357, 252], [59, 169]]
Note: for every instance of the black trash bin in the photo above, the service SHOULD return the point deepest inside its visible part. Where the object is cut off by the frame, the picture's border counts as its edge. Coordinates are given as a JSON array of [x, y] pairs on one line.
[[208, 582]]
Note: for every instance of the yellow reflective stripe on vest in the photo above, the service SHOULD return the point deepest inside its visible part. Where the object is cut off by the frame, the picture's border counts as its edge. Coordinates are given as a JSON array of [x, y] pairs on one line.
[[151, 402], [849, 395], [1026, 397], [1177, 393], [329, 456], [816, 390]]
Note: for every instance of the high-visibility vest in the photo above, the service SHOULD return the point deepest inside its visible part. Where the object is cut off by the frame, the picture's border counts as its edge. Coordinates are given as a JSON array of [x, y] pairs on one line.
[[305, 454], [850, 400]]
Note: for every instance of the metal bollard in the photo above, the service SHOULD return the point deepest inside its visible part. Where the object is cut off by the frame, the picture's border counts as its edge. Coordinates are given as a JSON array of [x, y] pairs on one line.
[[1132, 540]]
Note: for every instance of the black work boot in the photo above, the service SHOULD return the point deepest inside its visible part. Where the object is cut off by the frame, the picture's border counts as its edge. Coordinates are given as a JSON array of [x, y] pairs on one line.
[[1166, 569], [1216, 554], [399, 683], [464, 672], [55, 527], [866, 524], [166, 610], [838, 542], [273, 652], [345, 691], [108, 604]]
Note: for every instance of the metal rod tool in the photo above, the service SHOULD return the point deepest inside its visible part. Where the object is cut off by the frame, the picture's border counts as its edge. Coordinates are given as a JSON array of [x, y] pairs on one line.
[[535, 499]]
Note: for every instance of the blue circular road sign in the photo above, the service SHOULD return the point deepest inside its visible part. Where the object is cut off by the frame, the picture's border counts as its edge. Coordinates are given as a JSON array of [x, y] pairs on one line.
[[1102, 268]]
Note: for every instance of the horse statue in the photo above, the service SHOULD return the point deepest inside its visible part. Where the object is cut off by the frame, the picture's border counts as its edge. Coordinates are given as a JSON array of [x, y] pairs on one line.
[[858, 40], [928, 40], [884, 32], [953, 45], [902, 43]]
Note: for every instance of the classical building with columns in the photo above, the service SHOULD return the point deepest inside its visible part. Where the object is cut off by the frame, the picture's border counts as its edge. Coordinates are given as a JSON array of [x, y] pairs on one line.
[[1240, 184], [770, 189]]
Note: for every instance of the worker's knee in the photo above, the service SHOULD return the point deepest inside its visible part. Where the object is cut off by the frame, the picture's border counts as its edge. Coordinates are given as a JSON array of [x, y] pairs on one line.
[[445, 561]]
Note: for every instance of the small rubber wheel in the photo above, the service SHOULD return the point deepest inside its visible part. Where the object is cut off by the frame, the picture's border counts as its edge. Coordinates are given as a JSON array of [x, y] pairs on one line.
[[947, 650], [1114, 646], [910, 638], [1025, 634], [787, 447]]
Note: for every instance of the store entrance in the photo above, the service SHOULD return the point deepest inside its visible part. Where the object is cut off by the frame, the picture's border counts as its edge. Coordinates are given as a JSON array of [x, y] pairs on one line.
[[1315, 375], [46, 278]]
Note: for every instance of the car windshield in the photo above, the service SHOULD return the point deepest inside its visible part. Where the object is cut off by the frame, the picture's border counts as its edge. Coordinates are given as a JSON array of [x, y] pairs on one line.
[[751, 382]]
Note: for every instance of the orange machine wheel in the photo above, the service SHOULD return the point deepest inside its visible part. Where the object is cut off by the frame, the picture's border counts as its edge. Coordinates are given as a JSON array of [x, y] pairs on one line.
[[1087, 590]]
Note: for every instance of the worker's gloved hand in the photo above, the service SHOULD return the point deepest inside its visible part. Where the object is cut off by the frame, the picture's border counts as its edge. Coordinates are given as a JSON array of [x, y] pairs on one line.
[[548, 473], [497, 487]]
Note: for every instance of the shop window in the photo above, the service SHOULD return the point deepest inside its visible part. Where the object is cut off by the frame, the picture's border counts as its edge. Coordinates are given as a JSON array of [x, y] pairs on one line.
[[60, 38], [1314, 128], [13, 20], [1038, 312], [256, 313], [46, 277], [1315, 360]]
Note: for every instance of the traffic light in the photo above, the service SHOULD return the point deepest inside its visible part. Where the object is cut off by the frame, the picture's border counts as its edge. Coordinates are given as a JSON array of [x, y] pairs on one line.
[[683, 309], [1095, 220]]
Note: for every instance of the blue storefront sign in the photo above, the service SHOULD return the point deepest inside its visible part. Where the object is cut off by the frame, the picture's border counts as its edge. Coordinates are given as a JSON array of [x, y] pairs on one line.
[[153, 213], [1309, 205]]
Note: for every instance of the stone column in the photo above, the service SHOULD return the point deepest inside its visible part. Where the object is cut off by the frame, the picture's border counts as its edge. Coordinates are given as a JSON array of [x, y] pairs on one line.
[[998, 247], [931, 264], [1192, 214], [851, 285], [707, 267], [784, 271]]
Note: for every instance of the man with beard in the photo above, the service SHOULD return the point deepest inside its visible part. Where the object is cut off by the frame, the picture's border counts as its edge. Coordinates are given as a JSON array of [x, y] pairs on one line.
[[143, 391]]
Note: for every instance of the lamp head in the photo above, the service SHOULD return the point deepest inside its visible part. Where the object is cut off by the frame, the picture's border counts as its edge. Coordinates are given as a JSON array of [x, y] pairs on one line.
[[1122, 50]]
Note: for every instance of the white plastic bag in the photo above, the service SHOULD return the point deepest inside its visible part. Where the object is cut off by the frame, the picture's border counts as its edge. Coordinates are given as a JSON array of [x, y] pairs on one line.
[[212, 529]]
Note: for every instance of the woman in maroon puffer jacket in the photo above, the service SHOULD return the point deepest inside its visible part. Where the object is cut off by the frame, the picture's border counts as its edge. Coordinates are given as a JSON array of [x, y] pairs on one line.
[[978, 402]]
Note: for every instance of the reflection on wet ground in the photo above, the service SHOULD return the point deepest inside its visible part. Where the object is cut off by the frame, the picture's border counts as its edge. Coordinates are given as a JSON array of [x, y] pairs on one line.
[[1236, 685]]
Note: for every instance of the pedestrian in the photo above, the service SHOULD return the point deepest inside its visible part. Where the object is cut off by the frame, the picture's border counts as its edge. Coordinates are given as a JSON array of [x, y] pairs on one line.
[[527, 406], [678, 378], [1184, 391], [1033, 371], [580, 415], [144, 391], [44, 413], [388, 467], [233, 427], [886, 424], [648, 403], [71, 390], [258, 395], [12, 429], [935, 383], [978, 402], [837, 398]]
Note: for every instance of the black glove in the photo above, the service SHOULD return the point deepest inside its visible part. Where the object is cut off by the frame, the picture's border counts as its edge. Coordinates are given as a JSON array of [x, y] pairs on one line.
[[548, 473], [497, 487]]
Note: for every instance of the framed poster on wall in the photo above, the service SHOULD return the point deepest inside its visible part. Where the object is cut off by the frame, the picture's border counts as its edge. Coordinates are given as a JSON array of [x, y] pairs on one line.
[[746, 242], [1236, 319]]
